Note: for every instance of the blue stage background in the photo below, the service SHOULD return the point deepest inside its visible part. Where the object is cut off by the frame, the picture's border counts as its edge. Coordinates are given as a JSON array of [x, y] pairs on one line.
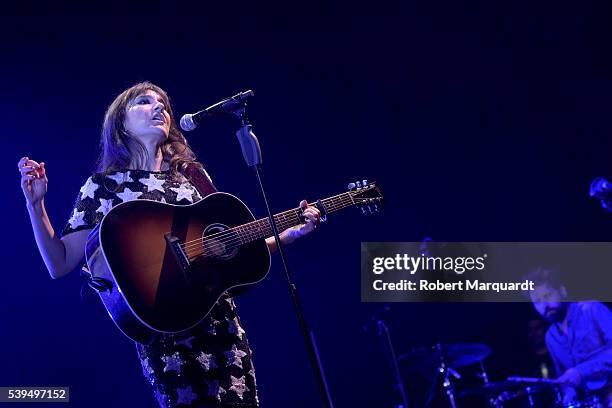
[[482, 121]]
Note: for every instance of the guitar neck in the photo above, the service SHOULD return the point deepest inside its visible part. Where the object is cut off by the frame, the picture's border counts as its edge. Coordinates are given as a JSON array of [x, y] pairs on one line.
[[262, 229]]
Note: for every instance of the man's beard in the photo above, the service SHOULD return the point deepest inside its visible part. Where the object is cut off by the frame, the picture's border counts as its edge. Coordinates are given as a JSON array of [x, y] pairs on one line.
[[556, 315]]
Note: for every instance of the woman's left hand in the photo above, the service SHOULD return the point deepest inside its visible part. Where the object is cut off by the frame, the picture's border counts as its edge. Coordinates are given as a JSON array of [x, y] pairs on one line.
[[312, 217]]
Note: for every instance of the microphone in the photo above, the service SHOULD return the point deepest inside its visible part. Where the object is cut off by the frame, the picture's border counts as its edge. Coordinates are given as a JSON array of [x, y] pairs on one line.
[[190, 121], [602, 190]]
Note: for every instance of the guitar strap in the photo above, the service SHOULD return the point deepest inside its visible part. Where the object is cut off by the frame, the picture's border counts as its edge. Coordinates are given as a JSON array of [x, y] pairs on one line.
[[196, 174]]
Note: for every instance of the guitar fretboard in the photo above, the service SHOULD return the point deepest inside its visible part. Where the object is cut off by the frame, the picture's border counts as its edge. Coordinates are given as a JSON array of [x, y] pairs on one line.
[[262, 229]]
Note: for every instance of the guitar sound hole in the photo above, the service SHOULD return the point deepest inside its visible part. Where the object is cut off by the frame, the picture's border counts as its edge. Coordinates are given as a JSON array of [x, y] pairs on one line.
[[223, 247]]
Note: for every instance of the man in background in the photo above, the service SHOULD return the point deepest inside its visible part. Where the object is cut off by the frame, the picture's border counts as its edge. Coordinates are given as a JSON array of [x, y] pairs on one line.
[[579, 339]]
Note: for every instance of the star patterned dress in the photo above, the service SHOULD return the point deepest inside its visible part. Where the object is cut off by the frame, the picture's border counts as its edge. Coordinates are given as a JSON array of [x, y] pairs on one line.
[[209, 366]]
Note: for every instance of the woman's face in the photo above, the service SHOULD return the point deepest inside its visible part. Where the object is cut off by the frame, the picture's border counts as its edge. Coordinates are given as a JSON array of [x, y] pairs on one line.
[[146, 118]]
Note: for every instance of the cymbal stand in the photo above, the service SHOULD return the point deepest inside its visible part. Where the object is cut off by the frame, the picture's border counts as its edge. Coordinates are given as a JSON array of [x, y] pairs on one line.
[[445, 371], [483, 374], [385, 338]]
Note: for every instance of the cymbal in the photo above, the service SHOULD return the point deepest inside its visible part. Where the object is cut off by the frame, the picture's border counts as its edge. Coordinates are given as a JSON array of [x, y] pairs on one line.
[[454, 355]]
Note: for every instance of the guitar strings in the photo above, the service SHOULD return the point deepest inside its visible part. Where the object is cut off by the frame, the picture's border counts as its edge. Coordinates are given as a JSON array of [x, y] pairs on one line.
[[211, 247], [246, 231], [215, 248], [251, 224], [242, 230], [251, 229]]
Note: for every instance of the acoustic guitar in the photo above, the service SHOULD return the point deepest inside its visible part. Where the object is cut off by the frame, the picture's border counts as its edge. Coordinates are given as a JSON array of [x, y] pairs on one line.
[[159, 268]]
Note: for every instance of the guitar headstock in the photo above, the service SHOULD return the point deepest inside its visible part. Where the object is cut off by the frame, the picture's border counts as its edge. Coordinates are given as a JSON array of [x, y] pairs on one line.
[[367, 196]]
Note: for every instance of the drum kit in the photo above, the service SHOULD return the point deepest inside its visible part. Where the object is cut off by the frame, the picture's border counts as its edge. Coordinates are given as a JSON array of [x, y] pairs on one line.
[[515, 392]]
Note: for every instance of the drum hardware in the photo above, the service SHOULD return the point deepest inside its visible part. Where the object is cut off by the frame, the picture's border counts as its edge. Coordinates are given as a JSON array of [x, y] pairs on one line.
[[483, 373], [455, 355], [532, 380], [446, 371], [538, 393], [533, 396], [589, 402], [445, 359]]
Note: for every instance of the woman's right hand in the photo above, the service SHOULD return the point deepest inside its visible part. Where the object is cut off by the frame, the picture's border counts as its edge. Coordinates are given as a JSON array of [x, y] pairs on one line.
[[33, 180]]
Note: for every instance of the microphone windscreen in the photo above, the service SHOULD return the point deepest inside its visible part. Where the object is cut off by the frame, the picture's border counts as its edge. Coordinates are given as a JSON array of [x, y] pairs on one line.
[[187, 123]]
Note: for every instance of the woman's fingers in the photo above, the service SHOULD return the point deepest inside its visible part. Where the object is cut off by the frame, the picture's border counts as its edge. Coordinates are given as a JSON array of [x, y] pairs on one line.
[[31, 170], [27, 166], [27, 179], [312, 216], [26, 161], [33, 178], [312, 211]]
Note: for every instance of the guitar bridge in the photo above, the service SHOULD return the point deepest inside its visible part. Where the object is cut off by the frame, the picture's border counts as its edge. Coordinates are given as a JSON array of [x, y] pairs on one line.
[[175, 246]]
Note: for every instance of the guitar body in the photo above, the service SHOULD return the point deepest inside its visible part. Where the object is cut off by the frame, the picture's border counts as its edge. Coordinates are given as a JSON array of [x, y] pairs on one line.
[[159, 268], [149, 291]]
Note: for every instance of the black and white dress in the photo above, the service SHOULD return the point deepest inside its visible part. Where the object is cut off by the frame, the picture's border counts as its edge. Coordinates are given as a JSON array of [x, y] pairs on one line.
[[211, 365]]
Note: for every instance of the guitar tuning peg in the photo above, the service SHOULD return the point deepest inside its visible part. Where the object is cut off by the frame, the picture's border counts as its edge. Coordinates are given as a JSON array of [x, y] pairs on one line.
[[365, 182], [363, 211], [351, 186], [358, 184]]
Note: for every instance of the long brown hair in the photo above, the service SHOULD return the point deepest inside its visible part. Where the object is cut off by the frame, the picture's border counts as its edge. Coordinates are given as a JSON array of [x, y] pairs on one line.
[[118, 148]]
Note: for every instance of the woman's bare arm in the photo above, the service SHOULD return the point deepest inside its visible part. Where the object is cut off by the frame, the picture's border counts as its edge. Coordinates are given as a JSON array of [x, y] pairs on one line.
[[60, 255]]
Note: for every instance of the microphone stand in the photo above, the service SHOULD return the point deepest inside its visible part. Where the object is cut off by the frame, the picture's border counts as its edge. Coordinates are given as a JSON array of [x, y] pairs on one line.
[[251, 152]]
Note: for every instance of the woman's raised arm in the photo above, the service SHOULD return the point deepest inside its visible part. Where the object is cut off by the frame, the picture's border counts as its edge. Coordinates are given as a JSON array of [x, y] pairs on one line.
[[60, 255]]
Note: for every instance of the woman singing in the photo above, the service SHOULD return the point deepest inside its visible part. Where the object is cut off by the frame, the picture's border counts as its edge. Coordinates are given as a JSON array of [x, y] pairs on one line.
[[142, 154]]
